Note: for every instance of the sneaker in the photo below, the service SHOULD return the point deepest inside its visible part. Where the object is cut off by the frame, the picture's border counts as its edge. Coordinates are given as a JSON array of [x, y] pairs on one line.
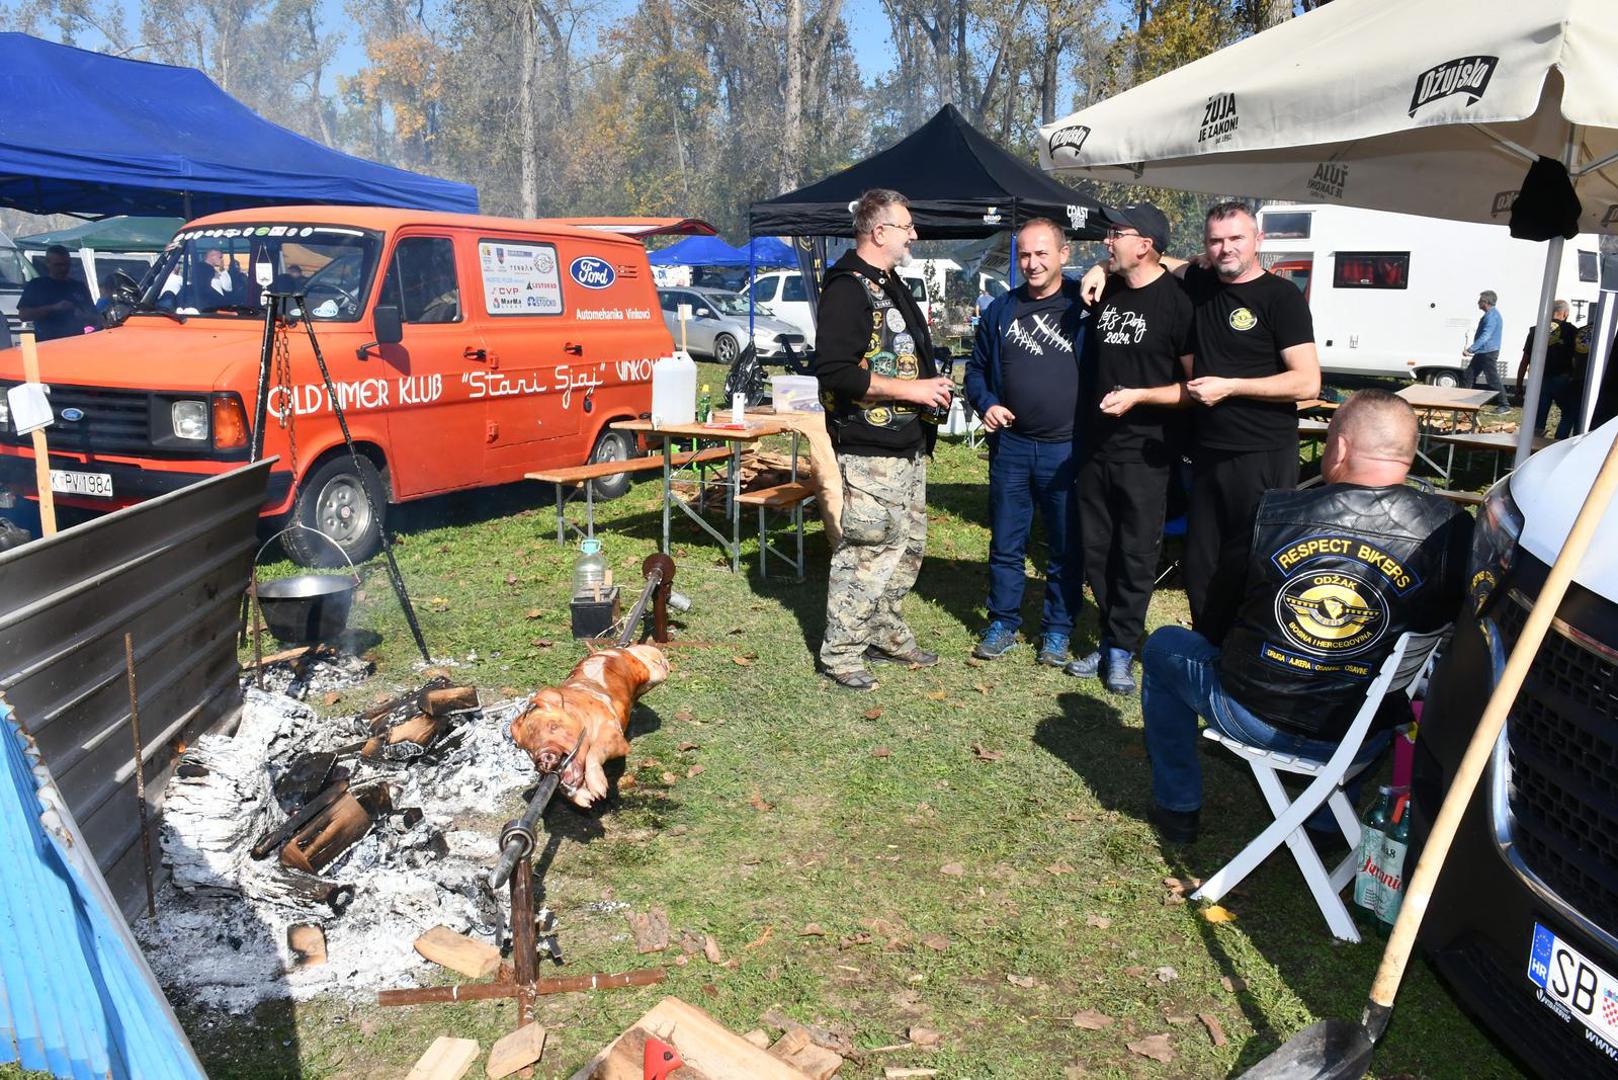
[[1116, 677], [915, 656], [1174, 826], [1086, 667], [996, 641], [1053, 650], [860, 679]]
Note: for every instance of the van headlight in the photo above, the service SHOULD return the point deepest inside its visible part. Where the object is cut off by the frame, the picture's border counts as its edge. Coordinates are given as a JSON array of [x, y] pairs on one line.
[[1494, 542], [189, 419]]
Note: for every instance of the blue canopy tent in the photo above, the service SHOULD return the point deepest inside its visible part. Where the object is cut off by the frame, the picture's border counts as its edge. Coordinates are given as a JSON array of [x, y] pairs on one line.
[[769, 251], [95, 135], [712, 251]]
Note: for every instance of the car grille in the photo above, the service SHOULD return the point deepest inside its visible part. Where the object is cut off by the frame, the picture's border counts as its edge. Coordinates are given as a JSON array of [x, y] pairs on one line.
[[1562, 740], [115, 421]]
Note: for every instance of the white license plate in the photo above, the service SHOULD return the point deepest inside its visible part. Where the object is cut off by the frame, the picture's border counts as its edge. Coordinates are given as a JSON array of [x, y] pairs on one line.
[[68, 482], [1564, 975]]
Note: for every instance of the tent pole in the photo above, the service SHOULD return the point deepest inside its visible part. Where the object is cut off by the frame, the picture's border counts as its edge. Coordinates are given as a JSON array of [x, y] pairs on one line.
[[1011, 271], [752, 272], [1536, 361]]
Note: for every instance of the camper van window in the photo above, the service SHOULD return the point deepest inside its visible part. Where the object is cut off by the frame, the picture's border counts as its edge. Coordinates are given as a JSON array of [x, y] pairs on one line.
[[1587, 266], [1372, 270], [1286, 226]]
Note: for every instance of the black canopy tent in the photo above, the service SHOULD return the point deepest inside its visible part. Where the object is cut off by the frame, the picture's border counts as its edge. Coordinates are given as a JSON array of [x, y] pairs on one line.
[[960, 184]]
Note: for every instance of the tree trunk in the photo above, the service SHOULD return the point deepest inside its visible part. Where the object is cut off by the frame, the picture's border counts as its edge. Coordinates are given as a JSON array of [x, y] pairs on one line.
[[527, 121], [1048, 80], [792, 135]]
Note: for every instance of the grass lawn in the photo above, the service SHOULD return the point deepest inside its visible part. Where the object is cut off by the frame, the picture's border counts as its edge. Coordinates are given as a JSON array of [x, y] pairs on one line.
[[963, 850]]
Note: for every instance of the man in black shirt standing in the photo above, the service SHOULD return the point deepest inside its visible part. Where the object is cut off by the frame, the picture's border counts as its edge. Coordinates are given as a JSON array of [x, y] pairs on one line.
[[1254, 345], [877, 374], [1023, 379], [57, 305], [1133, 384]]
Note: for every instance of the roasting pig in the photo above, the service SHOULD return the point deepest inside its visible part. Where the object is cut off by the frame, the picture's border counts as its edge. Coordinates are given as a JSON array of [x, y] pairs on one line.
[[594, 703]]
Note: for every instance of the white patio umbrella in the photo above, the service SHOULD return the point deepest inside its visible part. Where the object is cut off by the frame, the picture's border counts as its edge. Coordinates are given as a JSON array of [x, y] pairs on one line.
[[1434, 107]]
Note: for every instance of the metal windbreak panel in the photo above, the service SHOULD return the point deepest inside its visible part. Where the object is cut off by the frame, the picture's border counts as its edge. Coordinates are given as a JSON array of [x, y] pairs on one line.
[[169, 572]]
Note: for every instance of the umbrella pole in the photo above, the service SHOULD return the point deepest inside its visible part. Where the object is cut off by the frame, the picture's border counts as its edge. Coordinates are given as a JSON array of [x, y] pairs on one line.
[[1536, 362]]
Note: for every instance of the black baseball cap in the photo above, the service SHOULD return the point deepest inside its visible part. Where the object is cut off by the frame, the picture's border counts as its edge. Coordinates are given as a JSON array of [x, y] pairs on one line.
[[1144, 218]]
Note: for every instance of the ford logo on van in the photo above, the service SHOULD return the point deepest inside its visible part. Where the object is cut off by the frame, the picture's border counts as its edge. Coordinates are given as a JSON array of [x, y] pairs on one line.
[[591, 272]]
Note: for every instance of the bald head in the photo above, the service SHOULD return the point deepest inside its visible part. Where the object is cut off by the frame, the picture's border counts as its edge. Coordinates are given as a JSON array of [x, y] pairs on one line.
[[1371, 440]]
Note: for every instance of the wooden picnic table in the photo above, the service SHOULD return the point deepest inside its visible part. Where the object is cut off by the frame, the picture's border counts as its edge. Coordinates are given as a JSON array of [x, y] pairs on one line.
[[1493, 443], [1458, 403]]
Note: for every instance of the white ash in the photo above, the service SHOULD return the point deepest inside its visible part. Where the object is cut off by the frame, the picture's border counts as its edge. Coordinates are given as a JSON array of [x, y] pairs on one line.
[[220, 936], [325, 672]]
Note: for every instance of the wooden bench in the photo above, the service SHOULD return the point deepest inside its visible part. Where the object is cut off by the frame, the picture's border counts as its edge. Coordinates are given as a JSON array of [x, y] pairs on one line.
[[577, 476], [781, 498], [1465, 498]]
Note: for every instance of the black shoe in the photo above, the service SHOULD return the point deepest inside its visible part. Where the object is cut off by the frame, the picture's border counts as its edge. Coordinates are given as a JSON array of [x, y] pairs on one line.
[[918, 656], [1174, 826], [1115, 672], [851, 680]]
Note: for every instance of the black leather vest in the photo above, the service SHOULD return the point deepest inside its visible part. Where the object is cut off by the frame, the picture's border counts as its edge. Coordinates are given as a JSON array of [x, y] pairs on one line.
[[1336, 574]]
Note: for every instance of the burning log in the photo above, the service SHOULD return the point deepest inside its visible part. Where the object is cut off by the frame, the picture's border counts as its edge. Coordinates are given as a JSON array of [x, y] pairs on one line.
[[589, 710], [335, 829], [449, 700]]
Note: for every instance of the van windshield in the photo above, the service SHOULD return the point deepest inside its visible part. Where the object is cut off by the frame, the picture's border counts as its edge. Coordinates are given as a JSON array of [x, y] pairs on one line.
[[216, 271], [15, 270]]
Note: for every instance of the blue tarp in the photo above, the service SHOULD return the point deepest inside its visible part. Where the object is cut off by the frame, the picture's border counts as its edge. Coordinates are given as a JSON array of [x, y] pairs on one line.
[[76, 997], [712, 251], [85, 133]]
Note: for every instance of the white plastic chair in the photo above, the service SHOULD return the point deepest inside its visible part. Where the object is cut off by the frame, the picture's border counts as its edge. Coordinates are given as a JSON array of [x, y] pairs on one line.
[[1399, 672]]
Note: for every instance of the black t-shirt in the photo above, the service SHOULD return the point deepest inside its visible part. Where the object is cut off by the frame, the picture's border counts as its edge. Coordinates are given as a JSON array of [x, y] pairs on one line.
[[1137, 337], [44, 291], [1039, 375], [1559, 350], [1240, 332]]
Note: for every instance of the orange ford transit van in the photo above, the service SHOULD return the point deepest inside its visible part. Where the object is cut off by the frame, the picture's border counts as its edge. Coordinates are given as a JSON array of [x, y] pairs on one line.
[[465, 351]]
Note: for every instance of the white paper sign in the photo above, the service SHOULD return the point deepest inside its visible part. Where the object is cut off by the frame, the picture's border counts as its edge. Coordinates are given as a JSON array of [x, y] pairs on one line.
[[520, 279], [30, 408]]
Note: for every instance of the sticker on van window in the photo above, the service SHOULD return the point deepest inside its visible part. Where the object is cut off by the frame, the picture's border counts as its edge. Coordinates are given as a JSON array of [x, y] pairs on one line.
[[519, 279]]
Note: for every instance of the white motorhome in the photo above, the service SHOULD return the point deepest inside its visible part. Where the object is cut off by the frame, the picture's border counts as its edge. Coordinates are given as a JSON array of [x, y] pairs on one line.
[[1395, 294]]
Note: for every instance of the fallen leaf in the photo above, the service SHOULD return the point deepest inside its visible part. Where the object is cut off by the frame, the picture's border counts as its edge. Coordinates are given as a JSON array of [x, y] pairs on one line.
[[625, 782], [683, 747], [668, 778], [1136, 971], [873, 714], [534, 613], [1100, 922], [757, 802], [1155, 1047], [937, 695], [953, 869], [651, 930], [694, 771], [332, 697], [1217, 914], [981, 688], [1059, 868], [1232, 984], [982, 754], [1173, 884], [684, 716], [1090, 1020], [1166, 974], [882, 752], [542, 643], [1026, 982], [972, 661], [742, 661], [1177, 1020], [511, 579], [924, 1036], [1216, 1030], [710, 949], [861, 938], [936, 942], [761, 939]]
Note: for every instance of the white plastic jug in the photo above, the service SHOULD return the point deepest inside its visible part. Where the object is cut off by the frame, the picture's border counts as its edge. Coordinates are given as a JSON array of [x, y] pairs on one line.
[[674, 390]]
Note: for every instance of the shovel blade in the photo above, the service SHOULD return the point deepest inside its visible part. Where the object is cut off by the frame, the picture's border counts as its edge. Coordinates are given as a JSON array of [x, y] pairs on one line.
[[1329, 1050]]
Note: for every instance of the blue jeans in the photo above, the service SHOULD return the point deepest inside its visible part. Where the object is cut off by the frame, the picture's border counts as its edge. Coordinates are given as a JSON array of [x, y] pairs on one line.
[[1023, 474], [1179, 682], [1562, 390]]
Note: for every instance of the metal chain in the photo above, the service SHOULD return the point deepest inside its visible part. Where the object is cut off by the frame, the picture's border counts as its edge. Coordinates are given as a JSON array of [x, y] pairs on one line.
[[283, 377]]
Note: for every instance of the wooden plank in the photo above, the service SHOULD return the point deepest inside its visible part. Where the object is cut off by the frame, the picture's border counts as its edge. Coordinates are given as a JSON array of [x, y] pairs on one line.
[[446, 1059], [521, 1048], [446, 948], [777, 497], [42, 457], [595, 470], [722, 1054]]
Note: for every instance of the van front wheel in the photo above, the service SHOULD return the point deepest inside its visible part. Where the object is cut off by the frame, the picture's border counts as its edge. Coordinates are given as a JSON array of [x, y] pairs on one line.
[[332, 500], [612, 446]]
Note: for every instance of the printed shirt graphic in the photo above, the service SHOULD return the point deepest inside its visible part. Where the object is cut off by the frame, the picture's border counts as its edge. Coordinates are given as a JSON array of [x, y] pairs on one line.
[[1138, 336], [1038, 370]]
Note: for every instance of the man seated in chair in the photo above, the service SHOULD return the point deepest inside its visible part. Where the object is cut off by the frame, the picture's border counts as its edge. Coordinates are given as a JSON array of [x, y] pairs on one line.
[[1336, 574]]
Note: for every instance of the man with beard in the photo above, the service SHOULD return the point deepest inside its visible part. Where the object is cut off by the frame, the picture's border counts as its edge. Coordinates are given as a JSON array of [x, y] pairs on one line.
[[877, 374]]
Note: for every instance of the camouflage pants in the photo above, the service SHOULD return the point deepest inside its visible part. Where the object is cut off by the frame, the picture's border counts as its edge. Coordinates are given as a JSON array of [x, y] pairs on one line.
[[876, 562]]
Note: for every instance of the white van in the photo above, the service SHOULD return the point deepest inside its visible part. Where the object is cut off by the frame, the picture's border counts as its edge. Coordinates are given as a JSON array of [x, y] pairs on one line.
[[1395, 294], [783, 293]]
